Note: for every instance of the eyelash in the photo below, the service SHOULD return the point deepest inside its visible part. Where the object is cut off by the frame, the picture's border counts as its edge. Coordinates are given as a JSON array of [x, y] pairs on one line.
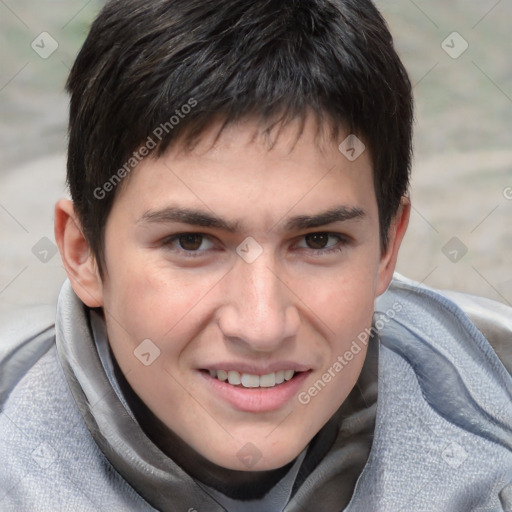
[[167, 242], [343, 241]]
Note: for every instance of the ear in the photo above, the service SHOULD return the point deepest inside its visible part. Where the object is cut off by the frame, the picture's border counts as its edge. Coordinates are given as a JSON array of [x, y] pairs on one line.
[[396, 233], [76, 254]]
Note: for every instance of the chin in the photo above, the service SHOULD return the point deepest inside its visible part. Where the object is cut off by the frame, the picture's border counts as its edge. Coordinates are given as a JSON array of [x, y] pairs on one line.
[[252, 456]]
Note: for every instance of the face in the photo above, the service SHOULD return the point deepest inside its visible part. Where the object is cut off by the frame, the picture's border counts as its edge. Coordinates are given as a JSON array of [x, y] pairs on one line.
[[248, 263]]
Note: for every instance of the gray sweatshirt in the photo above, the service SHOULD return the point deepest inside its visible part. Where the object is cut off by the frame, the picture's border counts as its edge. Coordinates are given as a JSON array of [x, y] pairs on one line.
[[428, 426]]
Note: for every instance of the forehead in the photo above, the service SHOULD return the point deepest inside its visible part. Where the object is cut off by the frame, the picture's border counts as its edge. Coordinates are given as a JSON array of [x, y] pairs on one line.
[[244, 167], [278, 135]]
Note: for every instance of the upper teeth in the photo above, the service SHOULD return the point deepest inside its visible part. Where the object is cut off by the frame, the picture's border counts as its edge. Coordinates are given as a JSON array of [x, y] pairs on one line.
[[248, 380]]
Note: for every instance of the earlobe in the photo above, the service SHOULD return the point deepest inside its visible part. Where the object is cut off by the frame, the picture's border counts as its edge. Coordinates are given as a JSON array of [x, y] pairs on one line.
[[397, 230], [79, 262]]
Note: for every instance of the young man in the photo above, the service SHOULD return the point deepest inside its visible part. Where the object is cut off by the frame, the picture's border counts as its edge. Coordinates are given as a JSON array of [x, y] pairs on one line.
[[230, 337]]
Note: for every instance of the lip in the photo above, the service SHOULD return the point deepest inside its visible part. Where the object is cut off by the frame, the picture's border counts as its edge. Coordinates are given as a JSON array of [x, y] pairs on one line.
[[256, 399], [258, 370]]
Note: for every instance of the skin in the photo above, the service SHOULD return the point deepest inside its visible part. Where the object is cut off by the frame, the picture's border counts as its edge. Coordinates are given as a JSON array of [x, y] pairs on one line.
[[304, 299]]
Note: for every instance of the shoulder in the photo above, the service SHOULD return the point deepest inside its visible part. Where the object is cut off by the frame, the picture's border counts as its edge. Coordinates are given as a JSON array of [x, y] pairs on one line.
[[444, 404], [458, 312], [432, 344], [493, 319], [48, 455], [25, 337]]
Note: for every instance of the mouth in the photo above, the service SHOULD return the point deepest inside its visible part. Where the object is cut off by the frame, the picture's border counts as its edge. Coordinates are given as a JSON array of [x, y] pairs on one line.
[[249, 380], [251, 392]]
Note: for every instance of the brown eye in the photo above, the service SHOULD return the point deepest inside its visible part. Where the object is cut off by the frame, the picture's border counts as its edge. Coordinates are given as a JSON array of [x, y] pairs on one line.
[[190, 241], [317, 240], [189, 244]]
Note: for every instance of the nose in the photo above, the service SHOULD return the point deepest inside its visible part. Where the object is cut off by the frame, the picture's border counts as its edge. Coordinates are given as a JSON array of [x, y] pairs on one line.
[[259, 309]]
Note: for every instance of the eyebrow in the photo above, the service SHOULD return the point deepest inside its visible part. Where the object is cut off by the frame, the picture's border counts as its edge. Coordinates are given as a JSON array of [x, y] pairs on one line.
[[187, 216], [338, 214], [206, 219]]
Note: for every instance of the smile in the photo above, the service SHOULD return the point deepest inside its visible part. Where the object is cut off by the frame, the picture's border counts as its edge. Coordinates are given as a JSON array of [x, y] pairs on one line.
[[250, 392], [248, 380]]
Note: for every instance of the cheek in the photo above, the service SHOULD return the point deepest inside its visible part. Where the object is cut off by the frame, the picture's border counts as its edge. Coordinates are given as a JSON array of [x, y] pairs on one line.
[[151, 297], [351, 310], [349, 321], [152, 302], [343, 301]]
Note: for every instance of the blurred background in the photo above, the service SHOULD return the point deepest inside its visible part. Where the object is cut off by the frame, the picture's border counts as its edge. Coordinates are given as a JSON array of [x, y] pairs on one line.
[[459, 57]]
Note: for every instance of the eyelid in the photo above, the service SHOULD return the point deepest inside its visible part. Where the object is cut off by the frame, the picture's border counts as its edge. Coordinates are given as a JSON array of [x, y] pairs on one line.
[[340, 236], [343, 241], [169, 240]]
